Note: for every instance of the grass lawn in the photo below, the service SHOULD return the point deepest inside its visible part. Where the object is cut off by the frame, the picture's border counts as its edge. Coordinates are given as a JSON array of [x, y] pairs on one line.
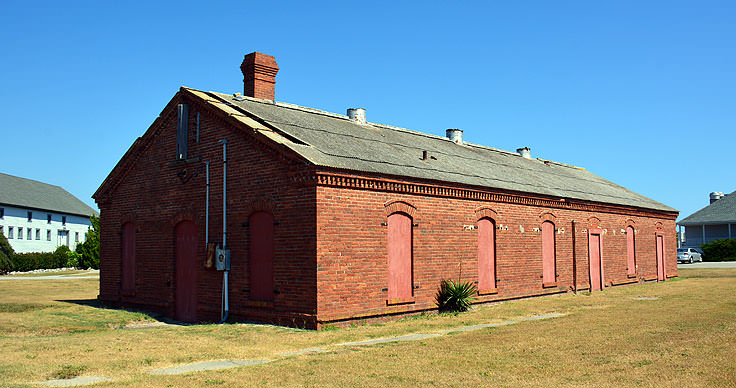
[[684, 338]]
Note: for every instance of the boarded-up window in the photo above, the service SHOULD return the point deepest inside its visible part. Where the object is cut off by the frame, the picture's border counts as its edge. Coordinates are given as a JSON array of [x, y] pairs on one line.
[[630, 251], [486, 255], [127, 282], [261, 256], [399, 258], [548, 254]]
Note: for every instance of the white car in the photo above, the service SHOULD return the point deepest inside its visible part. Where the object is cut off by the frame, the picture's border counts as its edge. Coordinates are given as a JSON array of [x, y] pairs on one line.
[[688, 255]]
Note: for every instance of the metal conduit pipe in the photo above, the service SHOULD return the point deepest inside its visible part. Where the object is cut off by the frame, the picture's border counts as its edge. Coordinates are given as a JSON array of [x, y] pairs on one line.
[[225, 301]]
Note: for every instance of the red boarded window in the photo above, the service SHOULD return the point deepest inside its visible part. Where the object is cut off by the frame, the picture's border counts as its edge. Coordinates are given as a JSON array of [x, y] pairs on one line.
[[399, 258], [261, 256], [127, 281], [548, 254], [486, 255], [630, 251]]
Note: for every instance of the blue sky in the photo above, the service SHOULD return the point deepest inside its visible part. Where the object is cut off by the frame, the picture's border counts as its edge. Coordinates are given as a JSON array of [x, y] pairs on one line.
[[640, 93]]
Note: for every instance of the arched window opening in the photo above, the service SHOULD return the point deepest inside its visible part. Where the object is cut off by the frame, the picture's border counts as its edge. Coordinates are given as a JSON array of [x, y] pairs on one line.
[[127, 270], [630, 252], [486, 255], [400, 277], [261, 239], [549, 276]]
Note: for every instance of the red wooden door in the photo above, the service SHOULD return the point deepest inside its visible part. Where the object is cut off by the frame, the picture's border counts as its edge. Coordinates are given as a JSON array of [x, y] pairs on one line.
[[261, 256], [596, 264], [399, 257], [660, 257], [127, 281], [630, 251], [548, 253], [186, 272], [486, 255]]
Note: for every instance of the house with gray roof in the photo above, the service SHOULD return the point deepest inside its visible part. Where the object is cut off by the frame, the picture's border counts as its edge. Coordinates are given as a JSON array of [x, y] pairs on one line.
[[235, 206], [39, 217], [717, 221]]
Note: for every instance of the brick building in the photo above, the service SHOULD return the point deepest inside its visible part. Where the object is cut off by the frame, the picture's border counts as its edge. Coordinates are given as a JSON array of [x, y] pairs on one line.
[[331, 218]]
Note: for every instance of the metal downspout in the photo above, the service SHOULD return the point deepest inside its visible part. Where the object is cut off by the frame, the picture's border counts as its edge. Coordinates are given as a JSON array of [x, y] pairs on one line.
[[225, 289]]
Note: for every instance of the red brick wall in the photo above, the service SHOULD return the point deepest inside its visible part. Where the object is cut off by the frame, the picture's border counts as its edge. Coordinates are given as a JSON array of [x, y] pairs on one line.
[[153, 196], [351, 248], [330, 259]]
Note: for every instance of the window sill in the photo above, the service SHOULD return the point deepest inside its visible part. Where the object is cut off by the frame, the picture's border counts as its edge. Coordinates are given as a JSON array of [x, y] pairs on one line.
[[631, 275], [489, 291], [549, 285], [259, 303], [396, 301]]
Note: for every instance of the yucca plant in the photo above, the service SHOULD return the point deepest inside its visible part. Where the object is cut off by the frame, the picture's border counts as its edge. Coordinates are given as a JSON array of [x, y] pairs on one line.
[[454, 297]]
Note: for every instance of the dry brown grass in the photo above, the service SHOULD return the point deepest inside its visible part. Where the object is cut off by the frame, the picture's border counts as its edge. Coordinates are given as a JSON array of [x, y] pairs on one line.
[[687, 337]]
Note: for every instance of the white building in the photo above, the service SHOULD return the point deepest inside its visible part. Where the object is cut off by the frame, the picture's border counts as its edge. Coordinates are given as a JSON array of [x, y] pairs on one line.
[[716, 221], [38, 217]]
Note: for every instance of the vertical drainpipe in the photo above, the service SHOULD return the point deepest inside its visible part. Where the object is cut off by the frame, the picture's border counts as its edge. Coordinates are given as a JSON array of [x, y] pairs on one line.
[[207, 205], [224, 230], [574, 262], [703, 242]]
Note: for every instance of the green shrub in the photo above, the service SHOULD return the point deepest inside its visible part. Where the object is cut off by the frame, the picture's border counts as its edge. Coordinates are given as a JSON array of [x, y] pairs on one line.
[[454, 297], [6, 254], [73, 259], [41, 260], [720, 250], [90, 248]]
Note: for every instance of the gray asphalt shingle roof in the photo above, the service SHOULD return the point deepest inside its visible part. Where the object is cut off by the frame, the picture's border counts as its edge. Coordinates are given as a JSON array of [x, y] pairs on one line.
[[722, 211], [27, 193], [333, 140]]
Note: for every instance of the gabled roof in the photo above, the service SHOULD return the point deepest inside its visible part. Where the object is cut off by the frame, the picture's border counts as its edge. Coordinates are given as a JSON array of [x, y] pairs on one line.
[[27, 193], [722, 211], [333, 140]]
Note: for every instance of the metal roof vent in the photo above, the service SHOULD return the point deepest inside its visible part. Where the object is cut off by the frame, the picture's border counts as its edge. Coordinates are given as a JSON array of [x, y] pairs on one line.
[[455, 135], [357, 115], [525, 152], [716, 195]]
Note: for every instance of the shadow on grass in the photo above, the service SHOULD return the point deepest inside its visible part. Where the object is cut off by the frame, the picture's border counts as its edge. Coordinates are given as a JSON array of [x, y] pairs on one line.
[[95, 303], [81, 302]]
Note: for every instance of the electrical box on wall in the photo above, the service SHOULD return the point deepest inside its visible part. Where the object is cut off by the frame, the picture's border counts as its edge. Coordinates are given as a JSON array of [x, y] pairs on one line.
[[222, 259]]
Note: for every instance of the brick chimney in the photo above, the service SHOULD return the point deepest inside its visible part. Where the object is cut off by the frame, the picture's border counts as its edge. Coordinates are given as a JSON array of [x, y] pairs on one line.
[[259, 75]]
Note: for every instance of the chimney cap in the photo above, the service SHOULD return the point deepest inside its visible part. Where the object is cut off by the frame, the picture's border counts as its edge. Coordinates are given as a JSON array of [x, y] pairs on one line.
[[525, 152], [357, 115], [455, 135]]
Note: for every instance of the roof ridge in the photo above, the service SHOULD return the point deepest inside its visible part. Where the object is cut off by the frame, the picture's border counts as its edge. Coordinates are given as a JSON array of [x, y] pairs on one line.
[[380, 125]]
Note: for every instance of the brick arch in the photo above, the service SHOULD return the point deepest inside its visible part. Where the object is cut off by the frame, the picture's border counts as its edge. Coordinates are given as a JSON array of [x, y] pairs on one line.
[[630, 222], [392, 207], [486, 212], [548, 216], [183, 215], [658, 225], [261, 204], [130, 218], [594, 222]]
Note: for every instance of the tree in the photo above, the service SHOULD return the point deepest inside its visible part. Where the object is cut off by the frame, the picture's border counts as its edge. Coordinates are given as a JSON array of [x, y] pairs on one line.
[[6, 254], [90, 248]]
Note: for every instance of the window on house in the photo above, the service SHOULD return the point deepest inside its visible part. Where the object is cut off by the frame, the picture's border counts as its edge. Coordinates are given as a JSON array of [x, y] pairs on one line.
[[38, 234], [20, 233], [48, 235], [63, 220], [261, 242], [127, 281], [486, 255], [399, 258], [630, 251], [549, 276], [76, 236], [30, 216], [2, 230], [48, 218], [29, 234], [2, 213], [10, 232]]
